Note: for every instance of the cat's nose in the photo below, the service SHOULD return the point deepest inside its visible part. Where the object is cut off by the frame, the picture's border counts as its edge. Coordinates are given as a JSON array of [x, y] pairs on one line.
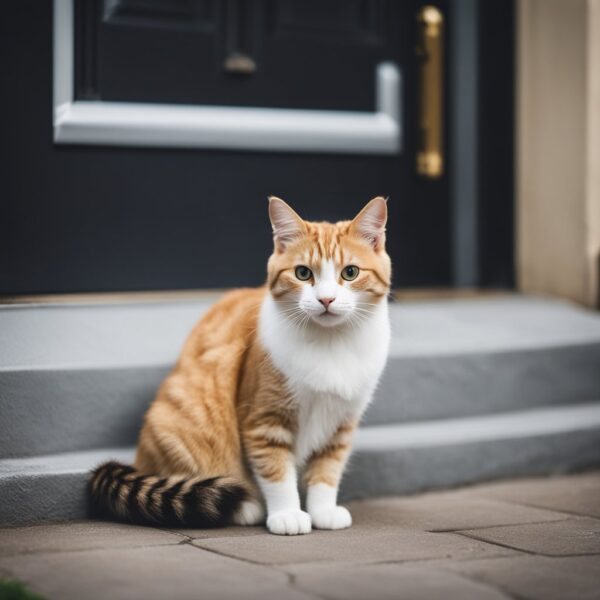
[[326, 301]]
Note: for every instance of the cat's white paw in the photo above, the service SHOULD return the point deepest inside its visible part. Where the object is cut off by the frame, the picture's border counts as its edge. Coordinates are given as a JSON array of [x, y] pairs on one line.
[[250, 512], [289, 522], [333, 517]]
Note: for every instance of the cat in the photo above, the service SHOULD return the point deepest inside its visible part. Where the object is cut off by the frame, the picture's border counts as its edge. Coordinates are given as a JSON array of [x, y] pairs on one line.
[[270, 384]]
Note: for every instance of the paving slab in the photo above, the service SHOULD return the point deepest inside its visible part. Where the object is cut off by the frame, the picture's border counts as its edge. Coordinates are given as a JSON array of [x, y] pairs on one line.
[[441, 511], [577, 494], [398, 548], [444, 511], [159, 572], [558, 538], [538, 577], [86, 535], [221, 532], [355, 545], [389, 582]]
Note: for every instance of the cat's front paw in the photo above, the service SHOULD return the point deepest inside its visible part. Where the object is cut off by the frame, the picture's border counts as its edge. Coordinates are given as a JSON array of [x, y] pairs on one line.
[[289, 522], [332, 517]]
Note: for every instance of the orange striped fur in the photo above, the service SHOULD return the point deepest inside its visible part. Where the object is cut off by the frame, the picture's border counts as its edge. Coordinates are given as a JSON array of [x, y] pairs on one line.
[[227, 413]]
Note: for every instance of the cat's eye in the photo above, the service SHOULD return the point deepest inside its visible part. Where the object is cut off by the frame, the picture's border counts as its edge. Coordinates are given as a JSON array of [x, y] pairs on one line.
[[350, 272], [303, 273]]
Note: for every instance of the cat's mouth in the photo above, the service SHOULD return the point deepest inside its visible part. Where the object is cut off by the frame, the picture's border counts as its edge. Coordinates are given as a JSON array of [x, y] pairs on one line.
[[329, 314], [328, 318]]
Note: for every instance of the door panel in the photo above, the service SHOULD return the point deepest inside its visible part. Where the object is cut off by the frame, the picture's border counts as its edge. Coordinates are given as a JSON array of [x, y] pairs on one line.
[[276, 53], [83, 219]]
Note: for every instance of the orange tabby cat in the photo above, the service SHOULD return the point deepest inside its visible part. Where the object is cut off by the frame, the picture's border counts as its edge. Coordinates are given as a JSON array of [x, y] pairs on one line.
[[271, 382]]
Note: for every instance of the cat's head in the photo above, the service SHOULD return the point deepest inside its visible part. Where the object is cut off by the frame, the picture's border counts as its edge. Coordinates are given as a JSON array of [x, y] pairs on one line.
[[329, 274]]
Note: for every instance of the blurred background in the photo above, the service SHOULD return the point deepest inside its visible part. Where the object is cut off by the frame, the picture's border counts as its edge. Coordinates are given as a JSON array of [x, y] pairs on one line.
[[107, 187], [142, 138]]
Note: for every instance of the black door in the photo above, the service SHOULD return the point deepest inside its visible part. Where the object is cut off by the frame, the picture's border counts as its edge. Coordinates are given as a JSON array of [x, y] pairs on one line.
[[97, 218]]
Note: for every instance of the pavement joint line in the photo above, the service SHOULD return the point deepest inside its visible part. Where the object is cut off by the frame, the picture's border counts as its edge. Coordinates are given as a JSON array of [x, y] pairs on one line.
[[186, 537], [292, 582], [184, 542], [569, 555], [533, 505], [494, 543], [290, 577], [467, 568], [470, 559], [78, 550], [525, 551], [461, 529], [439, 564], [216, 536], [312, 593], [488, 584], [223, 554], [408, 561], [492, 585], [296, 585]]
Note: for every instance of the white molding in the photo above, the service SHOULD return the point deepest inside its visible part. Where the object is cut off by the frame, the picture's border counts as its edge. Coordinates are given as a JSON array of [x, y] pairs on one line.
[[166, 125]]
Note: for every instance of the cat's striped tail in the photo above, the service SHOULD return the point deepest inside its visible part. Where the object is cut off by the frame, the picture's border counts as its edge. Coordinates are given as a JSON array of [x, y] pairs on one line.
[[121, 492]]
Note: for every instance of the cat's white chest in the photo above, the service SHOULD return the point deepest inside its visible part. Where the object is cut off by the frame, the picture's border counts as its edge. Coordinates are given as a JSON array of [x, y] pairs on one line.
[[332, 377], [319, 416]]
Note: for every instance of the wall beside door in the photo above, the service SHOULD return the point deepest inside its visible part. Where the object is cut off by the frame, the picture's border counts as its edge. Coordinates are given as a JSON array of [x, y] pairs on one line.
[[558, 153]]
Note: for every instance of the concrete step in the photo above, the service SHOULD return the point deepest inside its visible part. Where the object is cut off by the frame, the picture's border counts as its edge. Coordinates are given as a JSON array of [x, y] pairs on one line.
[[393, 459], [80, 377]]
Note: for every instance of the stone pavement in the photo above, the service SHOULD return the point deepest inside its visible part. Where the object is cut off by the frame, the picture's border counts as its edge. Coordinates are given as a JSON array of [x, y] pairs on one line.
[[525, 539]]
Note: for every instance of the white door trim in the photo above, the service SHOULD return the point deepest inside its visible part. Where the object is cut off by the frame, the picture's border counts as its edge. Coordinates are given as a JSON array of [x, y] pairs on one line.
[[245, 128]]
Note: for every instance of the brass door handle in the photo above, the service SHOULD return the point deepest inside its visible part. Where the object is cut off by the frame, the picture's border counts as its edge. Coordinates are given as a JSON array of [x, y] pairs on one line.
[[430, 50]]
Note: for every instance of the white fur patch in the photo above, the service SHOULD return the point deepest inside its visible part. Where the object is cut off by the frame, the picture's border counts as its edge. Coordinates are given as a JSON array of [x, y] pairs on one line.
[[331, 372], [250, 512], [283, 505], [323, 510], [320, 496], [289, 522], [332, 517], [281, 495]]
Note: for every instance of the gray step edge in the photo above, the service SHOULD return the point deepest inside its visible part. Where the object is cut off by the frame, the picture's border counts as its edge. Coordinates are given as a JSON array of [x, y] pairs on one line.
[[81, 377], [395, 459], [60, 411], [129, 334]]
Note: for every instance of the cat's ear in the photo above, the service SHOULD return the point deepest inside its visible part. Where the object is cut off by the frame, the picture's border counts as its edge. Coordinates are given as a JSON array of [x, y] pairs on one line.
[[287, 225], [369, 223]]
